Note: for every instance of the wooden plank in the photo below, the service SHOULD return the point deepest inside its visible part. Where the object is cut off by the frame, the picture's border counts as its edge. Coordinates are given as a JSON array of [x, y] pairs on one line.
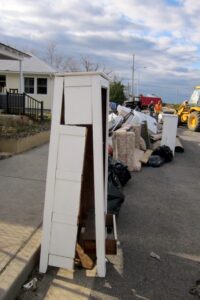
[[99, 176], [60, 261], [179, 147], [110, 244], [50, 183], [146, 156], [169, 131], [78, 99], [87, 188], [86, 261], [70, 160], [109, 220], [63, 239]]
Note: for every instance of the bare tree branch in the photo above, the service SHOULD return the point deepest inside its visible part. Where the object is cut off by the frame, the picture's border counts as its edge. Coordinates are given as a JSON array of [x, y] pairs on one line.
[[50, 52], [88, 65], [71, 65]]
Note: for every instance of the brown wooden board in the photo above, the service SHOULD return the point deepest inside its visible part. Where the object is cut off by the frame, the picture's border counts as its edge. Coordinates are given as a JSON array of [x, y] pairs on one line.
[[146, 155]]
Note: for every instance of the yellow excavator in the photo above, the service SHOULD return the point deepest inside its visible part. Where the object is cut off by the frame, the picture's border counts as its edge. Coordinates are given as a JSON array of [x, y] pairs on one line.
[[189, 111]]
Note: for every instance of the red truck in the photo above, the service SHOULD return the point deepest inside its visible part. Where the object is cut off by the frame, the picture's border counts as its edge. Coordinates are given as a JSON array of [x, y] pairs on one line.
[[142, 101]]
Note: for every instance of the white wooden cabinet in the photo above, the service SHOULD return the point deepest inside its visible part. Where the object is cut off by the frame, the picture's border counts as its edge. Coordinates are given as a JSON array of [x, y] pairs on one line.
[[169, 132], [80, 100]]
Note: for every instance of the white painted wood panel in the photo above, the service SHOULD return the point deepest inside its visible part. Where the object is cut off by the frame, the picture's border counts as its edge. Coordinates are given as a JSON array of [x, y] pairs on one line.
[[170, 123], [70, 159], [51, 169], [83, 105], [61, 218], [99, 177], [61, 262], [63, 239], [67, 197], [71, 149], [78, 102]]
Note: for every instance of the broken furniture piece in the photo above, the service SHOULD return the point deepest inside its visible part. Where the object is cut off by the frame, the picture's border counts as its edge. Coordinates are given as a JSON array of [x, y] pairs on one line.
[[76, 186], [170, 123]]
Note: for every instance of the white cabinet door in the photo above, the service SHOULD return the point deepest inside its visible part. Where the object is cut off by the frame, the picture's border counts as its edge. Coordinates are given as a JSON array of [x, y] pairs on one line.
[[78, 100], [67, 191]]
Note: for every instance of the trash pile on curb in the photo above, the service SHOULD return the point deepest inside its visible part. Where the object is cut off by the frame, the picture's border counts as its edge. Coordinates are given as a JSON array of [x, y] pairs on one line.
[[135, 139]]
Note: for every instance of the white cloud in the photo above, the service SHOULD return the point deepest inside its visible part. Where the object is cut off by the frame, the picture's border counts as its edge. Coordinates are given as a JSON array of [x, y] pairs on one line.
[[163, 37]]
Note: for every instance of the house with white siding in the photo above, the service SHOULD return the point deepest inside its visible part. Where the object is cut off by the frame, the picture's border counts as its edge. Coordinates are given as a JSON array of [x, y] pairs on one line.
[[37, 78]]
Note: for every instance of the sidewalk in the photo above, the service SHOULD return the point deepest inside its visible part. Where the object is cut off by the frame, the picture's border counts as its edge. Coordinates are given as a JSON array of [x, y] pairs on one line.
[[22, 189]]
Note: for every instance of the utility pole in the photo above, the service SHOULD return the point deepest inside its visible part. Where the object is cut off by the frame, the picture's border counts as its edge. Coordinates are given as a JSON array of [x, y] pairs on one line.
[[133, 69]]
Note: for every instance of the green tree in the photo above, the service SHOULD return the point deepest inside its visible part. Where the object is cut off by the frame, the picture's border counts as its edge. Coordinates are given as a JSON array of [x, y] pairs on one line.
[[117, 92]]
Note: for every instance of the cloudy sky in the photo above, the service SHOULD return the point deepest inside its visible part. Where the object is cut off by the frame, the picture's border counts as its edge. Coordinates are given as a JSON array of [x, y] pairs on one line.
[[164, 36]]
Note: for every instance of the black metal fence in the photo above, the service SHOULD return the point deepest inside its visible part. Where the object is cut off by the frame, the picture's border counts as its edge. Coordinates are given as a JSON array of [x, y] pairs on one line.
[[22, 104]]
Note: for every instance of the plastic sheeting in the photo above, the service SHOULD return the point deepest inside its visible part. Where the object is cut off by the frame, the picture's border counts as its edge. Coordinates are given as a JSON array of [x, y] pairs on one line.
[[135, 117]]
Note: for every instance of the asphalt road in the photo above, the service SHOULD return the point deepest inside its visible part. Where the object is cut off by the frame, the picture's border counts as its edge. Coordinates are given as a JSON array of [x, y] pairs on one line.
[[161, 213]]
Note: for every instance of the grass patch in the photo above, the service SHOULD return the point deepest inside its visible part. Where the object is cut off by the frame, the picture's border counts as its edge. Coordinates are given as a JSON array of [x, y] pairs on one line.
[[24, 130]]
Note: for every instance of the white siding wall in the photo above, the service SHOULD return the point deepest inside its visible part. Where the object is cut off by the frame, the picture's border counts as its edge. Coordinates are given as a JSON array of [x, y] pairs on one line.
[[12, 82]]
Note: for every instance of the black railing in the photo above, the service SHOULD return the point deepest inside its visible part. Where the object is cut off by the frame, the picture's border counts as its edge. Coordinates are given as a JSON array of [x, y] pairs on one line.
[[23, 104]]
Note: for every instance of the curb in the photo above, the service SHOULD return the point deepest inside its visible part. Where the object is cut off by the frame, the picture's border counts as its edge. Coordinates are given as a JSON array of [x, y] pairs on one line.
[[17, 271]]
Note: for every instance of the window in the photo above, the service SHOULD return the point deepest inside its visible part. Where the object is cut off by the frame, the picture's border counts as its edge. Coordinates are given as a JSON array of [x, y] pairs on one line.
[[42, 85], [29, 85], [2, 81]]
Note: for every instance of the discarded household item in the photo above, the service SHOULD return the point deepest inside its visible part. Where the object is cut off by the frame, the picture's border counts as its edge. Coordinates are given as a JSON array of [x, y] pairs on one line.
[[137, 130], [156, 144], [76, 186], [142, 144], [120, 169], [151, 122], [145, 134], [85, 260], [115, 122], [124, 147], [160, 155], [138, 154], [179, 147], [135, 117], [145, 158], [155, 161], [156, 137], [113, 106], [110, 150], [115, 194], [170, 123], [164, 152], [111, 118]]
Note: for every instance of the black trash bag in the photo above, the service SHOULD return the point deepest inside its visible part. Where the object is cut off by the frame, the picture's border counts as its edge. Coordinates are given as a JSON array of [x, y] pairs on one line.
[[115, 195], [164, 152], [120, 170], [156, 161]]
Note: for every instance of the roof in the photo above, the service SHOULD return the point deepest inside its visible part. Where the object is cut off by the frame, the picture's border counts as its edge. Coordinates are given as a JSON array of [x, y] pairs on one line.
[[32, 65], [84, 73], [7, 52]]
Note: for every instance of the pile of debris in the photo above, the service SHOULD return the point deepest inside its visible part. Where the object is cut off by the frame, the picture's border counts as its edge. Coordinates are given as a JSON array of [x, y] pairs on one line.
[[135, 139]]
